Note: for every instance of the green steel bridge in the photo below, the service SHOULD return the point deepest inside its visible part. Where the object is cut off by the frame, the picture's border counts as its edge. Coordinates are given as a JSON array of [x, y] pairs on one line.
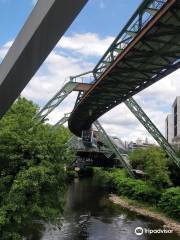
[[146, 50]]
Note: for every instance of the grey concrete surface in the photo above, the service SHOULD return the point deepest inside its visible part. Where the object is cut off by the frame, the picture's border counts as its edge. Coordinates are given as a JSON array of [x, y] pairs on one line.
[[45, 26]]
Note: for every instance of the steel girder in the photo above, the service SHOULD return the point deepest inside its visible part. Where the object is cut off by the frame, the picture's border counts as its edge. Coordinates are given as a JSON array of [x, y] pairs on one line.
[[45, 26], [145, 121], [110, 144], [152, 129], [63, 120], [56, 100], [74, 84], [140, 18], [149, 56]]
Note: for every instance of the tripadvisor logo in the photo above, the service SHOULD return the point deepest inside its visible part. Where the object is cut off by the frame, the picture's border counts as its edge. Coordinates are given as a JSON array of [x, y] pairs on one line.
[[139, 231]]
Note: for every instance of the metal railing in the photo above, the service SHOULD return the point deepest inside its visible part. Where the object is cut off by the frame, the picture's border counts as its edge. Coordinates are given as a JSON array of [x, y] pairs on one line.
[[137, 22]]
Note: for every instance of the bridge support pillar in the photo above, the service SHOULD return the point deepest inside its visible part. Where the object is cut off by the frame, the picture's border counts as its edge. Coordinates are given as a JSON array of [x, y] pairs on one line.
[[152, 129]]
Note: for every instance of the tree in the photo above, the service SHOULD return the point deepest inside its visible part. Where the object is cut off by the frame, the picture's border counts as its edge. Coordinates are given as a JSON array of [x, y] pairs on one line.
[[31, 169], [154, 162], [156, 167], [137, 158]]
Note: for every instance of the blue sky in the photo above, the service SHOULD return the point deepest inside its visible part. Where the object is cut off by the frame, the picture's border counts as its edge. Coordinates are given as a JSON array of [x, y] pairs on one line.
[[79, 50], [99, 16]]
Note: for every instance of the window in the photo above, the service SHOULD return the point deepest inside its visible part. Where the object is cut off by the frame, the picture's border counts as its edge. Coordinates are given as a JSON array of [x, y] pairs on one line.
[[167, 128], [175, 120], [175, 130]]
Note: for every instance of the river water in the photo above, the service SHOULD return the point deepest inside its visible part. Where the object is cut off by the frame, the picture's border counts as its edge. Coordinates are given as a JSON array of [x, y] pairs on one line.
[[89, 215]]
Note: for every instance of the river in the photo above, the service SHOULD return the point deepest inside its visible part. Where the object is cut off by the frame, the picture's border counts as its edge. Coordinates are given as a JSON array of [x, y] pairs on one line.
[[89, 215]]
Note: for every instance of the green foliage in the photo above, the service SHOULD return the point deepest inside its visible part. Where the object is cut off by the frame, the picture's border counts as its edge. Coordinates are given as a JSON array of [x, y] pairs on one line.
[[138, 190], [154, 162], [133, 188], [31, 169], [170, 202], [174, 173], [137, 158], [71, 174]]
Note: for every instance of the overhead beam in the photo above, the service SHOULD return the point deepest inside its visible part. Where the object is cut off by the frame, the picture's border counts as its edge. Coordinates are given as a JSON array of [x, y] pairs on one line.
[[82, 87], [90, 107], [45, 26]]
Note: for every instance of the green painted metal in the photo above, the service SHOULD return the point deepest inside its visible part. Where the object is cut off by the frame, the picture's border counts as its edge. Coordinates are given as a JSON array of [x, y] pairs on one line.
[[56, 100], [46, 24], [140, 18], [152, 129], [63, 120], [106, 139], [153, 56], [146, 50], [66, 89]]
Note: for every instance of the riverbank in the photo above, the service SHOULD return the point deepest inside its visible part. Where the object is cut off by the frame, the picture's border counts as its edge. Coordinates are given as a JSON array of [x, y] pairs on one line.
[[88, 213], [131, 205]]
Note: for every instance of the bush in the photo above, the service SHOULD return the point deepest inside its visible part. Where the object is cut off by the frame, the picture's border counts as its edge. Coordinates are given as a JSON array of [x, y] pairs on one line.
[[154, 163], [105, 178], [123, 185], [71, 174], [137, 190], [170, 202]]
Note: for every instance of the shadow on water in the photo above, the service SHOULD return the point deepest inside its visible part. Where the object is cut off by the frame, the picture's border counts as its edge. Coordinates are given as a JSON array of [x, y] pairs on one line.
[[90, 215]]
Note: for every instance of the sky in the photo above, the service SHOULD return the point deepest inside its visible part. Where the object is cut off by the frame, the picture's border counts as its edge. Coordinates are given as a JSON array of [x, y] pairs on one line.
[[78, 51]]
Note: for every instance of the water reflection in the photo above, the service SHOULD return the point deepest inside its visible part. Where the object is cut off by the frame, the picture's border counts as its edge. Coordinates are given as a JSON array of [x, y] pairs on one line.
[[90, 215]]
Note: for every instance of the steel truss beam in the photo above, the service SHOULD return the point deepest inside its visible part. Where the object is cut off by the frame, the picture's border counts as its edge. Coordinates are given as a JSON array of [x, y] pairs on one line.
[[152, 129], [106, 139], [140, 18], [56, 100], [71, 85], [63, 120], [130, 65]]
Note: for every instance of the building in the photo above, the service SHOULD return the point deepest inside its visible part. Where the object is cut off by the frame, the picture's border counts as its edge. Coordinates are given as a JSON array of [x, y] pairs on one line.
[[172, 125], [176, 123], [139, 144], [169, 130]]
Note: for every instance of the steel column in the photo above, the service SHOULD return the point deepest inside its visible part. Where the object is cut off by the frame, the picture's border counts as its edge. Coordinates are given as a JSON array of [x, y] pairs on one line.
[[152, 129], [106, 139]]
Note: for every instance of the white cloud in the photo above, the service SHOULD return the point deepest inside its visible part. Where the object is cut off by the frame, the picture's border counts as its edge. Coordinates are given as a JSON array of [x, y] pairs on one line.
[[60, 65], [65, 107], [156, 100], [122, 123], [57, 68], [4, 49], [88, 44]]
